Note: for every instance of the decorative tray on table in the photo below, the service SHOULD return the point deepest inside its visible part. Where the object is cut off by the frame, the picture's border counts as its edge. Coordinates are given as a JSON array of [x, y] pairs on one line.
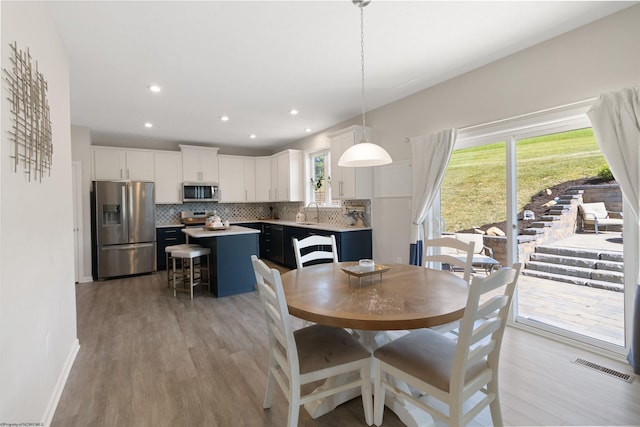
[[358, 271]]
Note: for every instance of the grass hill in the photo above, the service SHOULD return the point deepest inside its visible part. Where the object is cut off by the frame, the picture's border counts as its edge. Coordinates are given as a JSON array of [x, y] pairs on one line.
[[474, 188]]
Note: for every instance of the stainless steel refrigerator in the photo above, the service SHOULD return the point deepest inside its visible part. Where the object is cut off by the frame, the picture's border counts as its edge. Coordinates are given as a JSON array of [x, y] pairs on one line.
[[124, 228]]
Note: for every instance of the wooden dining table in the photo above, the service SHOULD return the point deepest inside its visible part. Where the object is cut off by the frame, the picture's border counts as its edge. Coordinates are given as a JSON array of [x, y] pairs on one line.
[[397, 297]]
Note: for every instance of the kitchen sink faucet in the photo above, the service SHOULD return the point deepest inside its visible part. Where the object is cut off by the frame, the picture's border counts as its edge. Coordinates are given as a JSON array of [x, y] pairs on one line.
[[317, 217]]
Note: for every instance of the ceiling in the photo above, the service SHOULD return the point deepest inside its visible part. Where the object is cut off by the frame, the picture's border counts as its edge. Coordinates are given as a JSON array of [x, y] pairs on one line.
[[255, 61]]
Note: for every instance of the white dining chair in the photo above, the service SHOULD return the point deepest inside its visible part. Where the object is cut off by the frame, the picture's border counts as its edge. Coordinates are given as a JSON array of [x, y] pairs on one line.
[[309, 354], [452, 371], [456, 254], [315, 248], [451, 251]]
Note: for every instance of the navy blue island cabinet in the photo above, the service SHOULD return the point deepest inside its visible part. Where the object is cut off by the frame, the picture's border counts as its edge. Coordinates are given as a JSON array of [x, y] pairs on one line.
[[231, 250]]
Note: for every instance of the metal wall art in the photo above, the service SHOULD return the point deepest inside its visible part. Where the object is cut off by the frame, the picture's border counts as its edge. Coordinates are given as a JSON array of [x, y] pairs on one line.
[[31, 128]]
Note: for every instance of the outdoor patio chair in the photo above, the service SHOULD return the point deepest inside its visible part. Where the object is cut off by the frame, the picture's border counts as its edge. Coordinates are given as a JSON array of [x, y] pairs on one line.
[[482, 254], [596, 215]]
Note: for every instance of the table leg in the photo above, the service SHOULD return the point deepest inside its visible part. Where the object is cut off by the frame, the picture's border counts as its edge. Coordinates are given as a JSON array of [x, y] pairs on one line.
[[320, 407]]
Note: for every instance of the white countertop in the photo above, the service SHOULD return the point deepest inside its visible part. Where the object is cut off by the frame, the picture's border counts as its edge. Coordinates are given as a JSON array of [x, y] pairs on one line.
[[169, 225], [199, 232], [314, 225]]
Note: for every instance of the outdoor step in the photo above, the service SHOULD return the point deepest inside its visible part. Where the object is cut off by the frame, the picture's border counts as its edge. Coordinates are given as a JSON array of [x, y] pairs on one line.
[[533, 231], [610, 265], [575, 271], [566, 270], [563, 260], [541, 224], [557, 210], [608, 276], [578, 262], [550, 218], [574, 280], [570, 195], [612, 256], [555, 277], [609, 286], [569, 252]]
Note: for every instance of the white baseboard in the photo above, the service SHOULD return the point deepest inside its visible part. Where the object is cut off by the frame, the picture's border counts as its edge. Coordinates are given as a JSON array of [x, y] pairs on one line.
[[62, 380], [86, 279]]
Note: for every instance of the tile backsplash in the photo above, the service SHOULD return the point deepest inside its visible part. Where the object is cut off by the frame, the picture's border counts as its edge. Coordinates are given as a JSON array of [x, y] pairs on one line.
[[234, 212]]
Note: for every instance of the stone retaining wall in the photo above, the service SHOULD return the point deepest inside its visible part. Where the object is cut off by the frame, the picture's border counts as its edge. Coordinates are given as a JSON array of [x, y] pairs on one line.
[[564, 223], [610, 194]]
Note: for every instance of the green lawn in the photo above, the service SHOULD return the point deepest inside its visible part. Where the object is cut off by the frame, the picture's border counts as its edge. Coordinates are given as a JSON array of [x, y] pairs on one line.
[[474, 188]]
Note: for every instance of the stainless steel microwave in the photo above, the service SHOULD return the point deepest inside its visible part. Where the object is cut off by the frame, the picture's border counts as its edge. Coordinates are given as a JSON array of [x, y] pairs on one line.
[[199, 192]]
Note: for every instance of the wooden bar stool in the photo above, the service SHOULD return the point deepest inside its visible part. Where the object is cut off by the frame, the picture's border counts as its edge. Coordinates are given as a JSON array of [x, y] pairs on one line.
[[189, 276], [168, 256]]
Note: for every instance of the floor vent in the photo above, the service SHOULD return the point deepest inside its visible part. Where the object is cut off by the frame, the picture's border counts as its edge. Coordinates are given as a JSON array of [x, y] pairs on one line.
[[611, 372]]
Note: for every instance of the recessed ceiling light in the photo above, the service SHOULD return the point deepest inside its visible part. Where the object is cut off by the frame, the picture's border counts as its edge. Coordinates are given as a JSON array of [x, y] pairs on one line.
[[307, 130], [293, 112], [155, 88], [224, 118], [148, 125], [252, 136]]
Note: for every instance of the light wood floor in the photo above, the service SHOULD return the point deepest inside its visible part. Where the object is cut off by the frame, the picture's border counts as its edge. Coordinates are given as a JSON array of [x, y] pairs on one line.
[[149, 359]]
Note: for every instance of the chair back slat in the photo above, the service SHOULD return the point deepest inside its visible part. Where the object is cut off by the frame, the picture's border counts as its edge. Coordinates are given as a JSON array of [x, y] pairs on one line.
[[277, 315], [485, 329], [315, 249], [478, 353], [480, 337], [495, 303], [447, 250]]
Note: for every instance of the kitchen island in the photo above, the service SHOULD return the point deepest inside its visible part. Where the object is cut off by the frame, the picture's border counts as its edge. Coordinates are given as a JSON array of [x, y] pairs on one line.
[[231, 271], [353, 243]]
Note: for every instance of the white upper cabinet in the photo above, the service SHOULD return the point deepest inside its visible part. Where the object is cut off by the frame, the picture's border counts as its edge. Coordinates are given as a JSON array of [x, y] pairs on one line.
[[250, 179], [199, 164], [286, 176], [263, 179], [276, 178], [111, 163], [168, 177], [237, 179], [349, 182]]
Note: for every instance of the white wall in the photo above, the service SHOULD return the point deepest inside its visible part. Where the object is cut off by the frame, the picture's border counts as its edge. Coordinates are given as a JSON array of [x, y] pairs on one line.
[[579, 65], [81, 152], [37, 295]]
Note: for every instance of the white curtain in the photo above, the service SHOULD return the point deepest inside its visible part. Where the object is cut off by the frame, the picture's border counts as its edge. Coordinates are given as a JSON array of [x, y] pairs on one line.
[[615, 118], [430, 156]]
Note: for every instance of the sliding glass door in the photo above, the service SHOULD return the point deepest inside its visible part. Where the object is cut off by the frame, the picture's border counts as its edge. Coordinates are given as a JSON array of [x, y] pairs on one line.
[[573, 281], [527, 178]]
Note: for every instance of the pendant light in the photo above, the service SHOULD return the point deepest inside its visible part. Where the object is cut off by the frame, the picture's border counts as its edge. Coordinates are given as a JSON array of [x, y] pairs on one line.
[[363, 153]]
